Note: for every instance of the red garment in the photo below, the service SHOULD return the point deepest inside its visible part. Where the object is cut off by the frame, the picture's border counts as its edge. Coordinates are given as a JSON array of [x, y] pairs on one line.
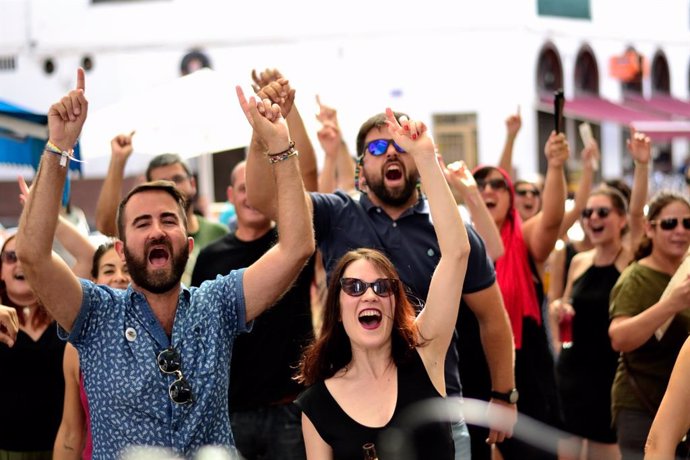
[[88, 447], [513, 272]]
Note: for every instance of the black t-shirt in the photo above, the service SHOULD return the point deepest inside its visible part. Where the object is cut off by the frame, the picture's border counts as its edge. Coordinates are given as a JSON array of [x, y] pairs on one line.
[[342, 223], [33, 389], [346, 436], [263, 361]]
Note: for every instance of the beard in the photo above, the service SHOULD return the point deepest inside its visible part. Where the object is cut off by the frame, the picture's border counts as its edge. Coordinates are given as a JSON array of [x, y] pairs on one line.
[[158, 281], [391, 197]]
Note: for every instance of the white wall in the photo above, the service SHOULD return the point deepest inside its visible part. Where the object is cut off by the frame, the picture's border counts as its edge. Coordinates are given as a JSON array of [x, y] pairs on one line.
[[439, 57]]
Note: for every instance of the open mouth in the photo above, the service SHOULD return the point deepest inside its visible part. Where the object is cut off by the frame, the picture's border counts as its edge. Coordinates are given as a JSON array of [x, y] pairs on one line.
[[528, 207], [393, 172], [596, 230], [19, 276], [490, 204], [370, 318], [158, 256]]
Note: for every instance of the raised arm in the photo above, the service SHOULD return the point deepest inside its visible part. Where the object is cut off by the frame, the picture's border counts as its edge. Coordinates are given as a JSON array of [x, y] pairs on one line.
[[542, 231], [343, 172], [513, 125], [640, 149], [460, 177], [437, 320], [329, 138], [109, 198], [52, 280], [672, 421], [590, 155], [271, 84], [74, 241], [270, 276]]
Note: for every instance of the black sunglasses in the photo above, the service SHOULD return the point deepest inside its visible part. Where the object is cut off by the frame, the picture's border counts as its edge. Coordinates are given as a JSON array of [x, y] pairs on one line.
[[9, 257], [672, 222], [601, 212], [378, 147], [169, 362], [495, 184], [382, 287], [527, 191]]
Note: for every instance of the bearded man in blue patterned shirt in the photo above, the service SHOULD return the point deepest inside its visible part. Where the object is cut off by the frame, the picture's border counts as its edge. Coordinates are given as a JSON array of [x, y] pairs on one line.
[[155, 358]]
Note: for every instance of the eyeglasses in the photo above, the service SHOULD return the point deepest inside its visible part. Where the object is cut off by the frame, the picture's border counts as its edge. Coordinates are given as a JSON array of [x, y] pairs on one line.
[[527, 191], [672, 222], [378, 147], [495, 184], [178, 178], [603, 213], [382, 287], [9, 257], [169, 362]]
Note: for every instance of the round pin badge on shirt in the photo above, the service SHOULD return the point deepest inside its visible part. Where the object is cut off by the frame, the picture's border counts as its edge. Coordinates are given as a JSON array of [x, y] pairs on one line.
[[131, 334]]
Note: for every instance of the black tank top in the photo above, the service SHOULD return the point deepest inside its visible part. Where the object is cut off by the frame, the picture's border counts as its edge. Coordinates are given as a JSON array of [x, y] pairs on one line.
[[346, 437]]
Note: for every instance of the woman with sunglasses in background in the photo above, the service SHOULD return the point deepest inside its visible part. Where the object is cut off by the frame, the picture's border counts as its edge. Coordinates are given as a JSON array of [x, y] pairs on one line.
[[586, 362], [32, 369], [637, 313], [73, 439], [373, 358], [526, 247]]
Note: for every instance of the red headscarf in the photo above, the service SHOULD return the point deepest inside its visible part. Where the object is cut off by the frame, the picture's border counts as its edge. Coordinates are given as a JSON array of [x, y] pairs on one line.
[[513, 272]]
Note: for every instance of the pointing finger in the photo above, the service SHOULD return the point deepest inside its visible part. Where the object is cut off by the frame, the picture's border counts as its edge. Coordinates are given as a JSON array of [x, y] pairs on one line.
[[81, 79]]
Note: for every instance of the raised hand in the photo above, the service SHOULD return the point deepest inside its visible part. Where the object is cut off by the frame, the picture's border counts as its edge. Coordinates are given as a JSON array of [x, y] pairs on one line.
[[639, 146], [24, 190], [264, 78], [326, 113], [411, 135], [590, 155], [266, 119], [66, 117], [279, 92], [459, 176], [514, 123], [329, 138], [556, 149], [121, 145], [9, 325]]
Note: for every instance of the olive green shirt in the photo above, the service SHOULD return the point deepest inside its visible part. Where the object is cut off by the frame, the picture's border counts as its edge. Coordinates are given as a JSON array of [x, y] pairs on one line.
[[208, 233], [638, 288]]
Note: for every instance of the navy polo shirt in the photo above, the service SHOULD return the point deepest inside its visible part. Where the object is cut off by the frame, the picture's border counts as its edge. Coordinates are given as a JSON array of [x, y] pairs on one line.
[[342, 223]]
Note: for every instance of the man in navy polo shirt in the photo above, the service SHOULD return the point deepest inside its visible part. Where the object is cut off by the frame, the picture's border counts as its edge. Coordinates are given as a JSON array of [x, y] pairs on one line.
[[392, 215]]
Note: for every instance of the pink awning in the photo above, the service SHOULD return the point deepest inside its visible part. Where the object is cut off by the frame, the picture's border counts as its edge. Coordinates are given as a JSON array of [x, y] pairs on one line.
[[657, 124], [597, 109], [662, 104]]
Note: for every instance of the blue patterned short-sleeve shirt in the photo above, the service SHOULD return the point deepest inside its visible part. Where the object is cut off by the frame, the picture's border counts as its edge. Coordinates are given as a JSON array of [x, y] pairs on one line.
[[119, 338]]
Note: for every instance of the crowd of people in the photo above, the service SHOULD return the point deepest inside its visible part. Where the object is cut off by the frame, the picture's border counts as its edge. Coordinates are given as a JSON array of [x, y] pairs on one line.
[[345, 303]]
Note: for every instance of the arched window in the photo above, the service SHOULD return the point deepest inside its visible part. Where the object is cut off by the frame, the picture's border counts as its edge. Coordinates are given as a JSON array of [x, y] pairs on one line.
[[586, 73], [661, 76], [549, 71]]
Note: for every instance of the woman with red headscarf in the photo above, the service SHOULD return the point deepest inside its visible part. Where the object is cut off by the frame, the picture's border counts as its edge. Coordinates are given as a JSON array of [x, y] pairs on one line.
[[527, 246]]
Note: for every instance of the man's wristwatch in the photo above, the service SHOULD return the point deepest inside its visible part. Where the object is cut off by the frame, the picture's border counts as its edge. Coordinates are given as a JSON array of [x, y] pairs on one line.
[[511, 397]]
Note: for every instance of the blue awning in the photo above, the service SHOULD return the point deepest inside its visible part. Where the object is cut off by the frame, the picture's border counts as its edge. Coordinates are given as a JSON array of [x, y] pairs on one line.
[[23, 135]]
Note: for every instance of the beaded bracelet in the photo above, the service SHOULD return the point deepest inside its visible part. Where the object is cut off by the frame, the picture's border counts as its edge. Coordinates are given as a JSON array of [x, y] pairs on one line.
[[290, 148], [273, 159]]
